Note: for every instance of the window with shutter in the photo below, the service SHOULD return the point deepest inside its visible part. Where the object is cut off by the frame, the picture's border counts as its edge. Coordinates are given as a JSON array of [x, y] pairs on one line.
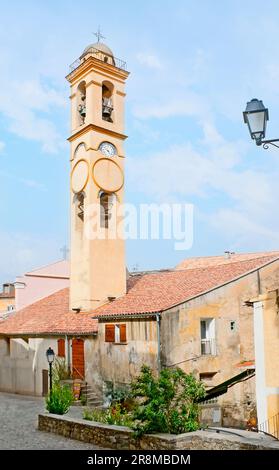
[[122, 333], [109, 333], [61, 347]]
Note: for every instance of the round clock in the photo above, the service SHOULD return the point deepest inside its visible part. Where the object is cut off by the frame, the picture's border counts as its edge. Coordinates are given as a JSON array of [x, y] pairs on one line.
[[108, 149]]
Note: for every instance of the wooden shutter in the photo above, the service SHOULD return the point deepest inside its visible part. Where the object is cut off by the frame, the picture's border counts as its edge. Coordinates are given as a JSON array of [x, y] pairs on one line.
[[61, 348], [109, 333], [122, 333]]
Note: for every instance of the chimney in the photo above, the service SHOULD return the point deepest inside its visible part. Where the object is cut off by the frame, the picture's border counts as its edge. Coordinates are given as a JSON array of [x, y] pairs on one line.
[[228, 254]]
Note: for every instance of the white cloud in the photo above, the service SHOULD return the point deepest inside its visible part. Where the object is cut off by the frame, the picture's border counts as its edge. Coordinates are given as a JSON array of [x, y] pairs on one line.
[[26, 182], [150, 60], [243, 229], [215, 173], [21, 252], [24, 114], [187, 104]]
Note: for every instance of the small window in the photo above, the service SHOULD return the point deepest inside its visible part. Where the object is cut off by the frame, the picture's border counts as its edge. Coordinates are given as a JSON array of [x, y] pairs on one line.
[[232, 326], [61, 348], [115, 333], [208, 342], [207, 375]]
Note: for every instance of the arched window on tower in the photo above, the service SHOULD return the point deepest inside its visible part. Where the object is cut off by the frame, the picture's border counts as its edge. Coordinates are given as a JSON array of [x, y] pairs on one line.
[[79, 208], [107, 102], [107, 202], [81, 102]]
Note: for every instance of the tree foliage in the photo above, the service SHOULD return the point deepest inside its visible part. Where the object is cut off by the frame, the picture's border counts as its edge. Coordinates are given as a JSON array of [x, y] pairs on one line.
[[167, 403]]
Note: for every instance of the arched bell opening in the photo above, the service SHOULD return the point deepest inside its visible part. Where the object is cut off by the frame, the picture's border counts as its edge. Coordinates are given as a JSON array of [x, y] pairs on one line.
[[81, 102], [78, 201], [107, 101], [107, 205]]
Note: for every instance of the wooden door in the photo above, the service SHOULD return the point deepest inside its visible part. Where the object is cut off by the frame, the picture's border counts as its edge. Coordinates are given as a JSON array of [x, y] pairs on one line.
[[78, 358], [45, 382]]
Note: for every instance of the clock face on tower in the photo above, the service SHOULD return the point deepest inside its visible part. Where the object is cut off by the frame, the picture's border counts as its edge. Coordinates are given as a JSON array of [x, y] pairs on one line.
[[108, 149]]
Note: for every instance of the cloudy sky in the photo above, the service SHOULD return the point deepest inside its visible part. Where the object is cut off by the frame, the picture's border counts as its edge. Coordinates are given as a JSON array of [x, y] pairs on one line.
[[193, 65]]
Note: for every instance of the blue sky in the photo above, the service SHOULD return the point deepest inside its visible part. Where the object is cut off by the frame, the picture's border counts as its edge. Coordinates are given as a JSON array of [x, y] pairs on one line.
[[193, 67]]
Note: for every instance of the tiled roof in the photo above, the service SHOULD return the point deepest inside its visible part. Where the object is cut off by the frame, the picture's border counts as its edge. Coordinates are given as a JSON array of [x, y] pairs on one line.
[[147, 293], [205, 261], [246, 364], [49, 316], [7, 295], [158, 291]]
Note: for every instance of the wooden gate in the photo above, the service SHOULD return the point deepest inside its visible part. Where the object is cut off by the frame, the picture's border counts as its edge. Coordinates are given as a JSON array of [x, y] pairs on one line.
[[78, 358]]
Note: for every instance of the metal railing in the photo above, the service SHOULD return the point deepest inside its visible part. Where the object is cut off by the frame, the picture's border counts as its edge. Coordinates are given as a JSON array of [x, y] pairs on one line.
[[208, 347], [102, 57], [270, 426], [77, 372]]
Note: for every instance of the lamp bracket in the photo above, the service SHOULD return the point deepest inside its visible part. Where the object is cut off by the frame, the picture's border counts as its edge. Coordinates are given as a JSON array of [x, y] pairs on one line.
[[267, 143]]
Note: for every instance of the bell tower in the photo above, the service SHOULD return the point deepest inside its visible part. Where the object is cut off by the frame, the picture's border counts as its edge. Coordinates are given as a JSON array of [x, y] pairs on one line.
[[98, 270]]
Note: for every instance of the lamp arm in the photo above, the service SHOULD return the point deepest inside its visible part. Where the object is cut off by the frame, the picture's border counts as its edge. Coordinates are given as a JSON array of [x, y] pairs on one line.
[[267, 143]]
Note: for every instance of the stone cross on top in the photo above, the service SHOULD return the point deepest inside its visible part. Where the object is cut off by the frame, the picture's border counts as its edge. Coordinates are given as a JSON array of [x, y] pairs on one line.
[[99, 35]]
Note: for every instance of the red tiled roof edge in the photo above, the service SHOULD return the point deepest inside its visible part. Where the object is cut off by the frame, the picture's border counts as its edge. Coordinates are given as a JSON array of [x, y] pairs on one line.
[[187, 299]]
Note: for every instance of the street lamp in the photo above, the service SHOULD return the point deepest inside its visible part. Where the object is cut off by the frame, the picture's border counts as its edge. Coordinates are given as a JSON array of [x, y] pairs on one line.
[[256, 117], [50, 358]]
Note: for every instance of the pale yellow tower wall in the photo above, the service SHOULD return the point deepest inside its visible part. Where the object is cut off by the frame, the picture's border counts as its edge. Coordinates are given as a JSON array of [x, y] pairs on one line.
[[98, 268]]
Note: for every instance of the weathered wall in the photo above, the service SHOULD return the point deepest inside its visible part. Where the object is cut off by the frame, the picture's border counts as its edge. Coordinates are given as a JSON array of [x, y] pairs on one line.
[[121, 438], [22, 364], [119, 363], [271, 354], [181, 339]]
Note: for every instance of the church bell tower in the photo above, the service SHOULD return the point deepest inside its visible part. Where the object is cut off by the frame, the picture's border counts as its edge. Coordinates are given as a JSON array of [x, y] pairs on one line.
[[98, 270]]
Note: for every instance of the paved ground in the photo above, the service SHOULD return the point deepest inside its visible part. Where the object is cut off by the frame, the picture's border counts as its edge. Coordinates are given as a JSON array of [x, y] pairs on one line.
[[18, 426]]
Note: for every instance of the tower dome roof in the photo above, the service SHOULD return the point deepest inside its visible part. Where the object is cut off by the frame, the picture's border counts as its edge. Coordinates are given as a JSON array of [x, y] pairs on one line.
[[100, 46]]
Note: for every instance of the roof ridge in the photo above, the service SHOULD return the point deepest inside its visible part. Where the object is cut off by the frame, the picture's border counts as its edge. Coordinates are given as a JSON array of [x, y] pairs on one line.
[[44, 266]]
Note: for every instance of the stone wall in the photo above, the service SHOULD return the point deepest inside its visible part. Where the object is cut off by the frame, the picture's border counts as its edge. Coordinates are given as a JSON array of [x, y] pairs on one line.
[[121, 438]]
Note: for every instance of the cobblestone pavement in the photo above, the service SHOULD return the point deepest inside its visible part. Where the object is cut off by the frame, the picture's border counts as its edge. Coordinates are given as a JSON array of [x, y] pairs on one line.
[[18, 424]]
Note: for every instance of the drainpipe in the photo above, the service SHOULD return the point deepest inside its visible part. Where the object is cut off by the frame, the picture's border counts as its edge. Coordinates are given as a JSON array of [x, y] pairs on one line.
[[67, 341], [158, 321]]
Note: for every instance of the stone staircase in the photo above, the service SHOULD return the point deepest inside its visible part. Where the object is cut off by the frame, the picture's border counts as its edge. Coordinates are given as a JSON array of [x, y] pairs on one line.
[[92, 399]]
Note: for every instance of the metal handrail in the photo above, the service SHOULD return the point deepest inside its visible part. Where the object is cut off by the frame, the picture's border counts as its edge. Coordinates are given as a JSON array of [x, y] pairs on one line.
[[208, 347], [99, 55], [270, 426], [76, 370]]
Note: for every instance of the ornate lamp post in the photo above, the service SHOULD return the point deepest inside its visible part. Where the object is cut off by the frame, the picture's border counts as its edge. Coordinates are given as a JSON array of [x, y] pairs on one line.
[[50, 358], [256, 117]]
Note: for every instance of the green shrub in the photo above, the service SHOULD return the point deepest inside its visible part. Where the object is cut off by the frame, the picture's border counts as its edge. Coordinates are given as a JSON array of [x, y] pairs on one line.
[[59, 400], [60, 370], [83, 399], [113, 415], [166, 403]]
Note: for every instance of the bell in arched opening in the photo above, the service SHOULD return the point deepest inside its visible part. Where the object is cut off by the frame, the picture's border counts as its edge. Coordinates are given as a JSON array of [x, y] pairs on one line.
[[81, 102], [107, 103]]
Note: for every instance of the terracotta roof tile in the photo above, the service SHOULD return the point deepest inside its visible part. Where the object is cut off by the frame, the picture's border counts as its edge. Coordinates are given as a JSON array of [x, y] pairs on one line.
[[49, 315], [147, 293], [206, 261], [158, 291]]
